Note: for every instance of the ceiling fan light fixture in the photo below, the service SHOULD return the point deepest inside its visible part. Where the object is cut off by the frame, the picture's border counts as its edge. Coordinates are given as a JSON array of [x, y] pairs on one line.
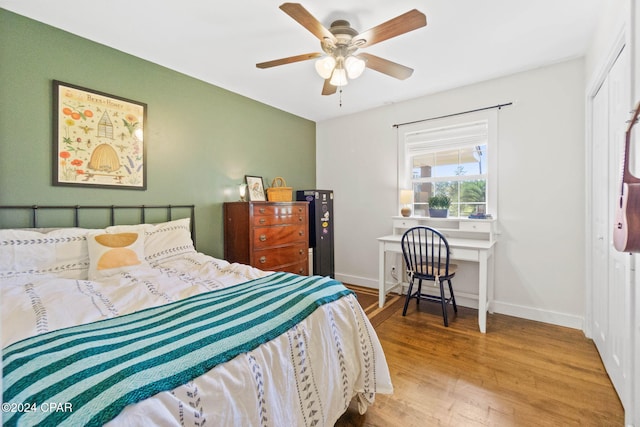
[[339, 77], [325, 66], [354, 66], [340, 42]]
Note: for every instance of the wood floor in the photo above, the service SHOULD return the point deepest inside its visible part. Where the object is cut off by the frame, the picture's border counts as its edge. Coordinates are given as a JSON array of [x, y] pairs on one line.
[[521, 373]]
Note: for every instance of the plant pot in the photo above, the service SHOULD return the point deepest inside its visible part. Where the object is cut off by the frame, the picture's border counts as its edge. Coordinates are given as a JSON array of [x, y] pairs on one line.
[[438, 213]]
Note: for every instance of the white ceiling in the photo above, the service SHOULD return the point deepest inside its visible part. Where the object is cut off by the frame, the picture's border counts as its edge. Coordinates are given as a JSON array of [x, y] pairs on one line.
[[465, 41]]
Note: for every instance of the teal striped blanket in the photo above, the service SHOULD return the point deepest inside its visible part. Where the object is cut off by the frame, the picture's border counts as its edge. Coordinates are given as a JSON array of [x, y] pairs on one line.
[[93, 371]]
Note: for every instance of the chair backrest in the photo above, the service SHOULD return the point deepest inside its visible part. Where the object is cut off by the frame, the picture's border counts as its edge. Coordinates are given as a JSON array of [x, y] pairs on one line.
[[426, 252]]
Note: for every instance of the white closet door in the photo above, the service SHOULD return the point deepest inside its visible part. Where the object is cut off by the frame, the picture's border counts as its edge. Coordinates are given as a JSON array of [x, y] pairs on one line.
[[600, 220], [611, 317], [620, 320]]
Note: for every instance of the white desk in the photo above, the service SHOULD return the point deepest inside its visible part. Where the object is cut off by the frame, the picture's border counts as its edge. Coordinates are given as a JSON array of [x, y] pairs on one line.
[[480, 251]]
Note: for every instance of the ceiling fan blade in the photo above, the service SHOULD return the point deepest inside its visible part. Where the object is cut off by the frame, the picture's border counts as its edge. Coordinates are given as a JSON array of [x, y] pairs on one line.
[[307, 20], [328, 88], [386, 67], [288, 60], [404, 23]]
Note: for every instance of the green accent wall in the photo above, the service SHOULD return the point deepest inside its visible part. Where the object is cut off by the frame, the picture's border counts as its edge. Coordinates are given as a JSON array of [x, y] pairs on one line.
[[201, 140]]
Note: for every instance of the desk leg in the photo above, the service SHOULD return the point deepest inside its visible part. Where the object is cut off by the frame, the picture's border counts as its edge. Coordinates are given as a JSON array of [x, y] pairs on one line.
[[482, 292], [381, 270], [490, 285]]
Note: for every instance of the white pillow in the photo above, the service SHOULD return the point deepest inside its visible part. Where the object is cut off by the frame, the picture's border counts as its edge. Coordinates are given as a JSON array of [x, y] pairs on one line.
[[62, 252], [164, 240], [113, 253]]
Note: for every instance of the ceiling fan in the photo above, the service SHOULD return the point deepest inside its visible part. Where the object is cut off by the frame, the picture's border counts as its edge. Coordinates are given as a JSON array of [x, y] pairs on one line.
[[340, 43]]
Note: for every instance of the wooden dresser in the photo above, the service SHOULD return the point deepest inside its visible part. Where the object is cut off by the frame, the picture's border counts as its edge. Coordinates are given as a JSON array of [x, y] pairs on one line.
[[271, 236]]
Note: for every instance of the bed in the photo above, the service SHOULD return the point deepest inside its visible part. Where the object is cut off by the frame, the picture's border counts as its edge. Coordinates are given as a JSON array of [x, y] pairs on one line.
[[128, 325]]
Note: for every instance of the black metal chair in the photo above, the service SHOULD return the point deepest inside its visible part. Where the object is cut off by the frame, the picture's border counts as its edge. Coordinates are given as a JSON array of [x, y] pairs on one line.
[[426, 257]]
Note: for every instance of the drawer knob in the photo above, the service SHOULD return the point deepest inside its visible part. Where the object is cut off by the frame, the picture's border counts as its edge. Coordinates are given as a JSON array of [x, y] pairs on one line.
[[300, 251], [262, 210], [301, 233], [263, 237], [263, 259], [262, 220], [300, 219]]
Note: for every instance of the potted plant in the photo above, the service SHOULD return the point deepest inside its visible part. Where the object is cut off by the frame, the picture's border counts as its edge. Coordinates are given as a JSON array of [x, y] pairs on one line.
[[439, 206]]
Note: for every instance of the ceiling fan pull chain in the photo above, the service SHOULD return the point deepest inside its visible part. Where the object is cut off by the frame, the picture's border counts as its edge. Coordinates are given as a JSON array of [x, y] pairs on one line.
[[341, 97]]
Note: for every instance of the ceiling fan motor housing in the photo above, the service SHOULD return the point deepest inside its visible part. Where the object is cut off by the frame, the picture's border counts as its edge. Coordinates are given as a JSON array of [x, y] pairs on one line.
[[344, 34], [342, 27]]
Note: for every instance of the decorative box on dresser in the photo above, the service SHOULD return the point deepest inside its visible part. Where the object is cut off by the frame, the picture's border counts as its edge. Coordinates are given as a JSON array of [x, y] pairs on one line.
[[271, 236]]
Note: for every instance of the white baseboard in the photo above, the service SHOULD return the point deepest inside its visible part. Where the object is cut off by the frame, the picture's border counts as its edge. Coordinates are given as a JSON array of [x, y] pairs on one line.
[[539, 315], [357, 280], [471, 301]]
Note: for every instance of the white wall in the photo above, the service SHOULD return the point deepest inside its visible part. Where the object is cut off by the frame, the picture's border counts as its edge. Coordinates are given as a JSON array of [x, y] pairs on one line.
[[540, 255], [611, 24]]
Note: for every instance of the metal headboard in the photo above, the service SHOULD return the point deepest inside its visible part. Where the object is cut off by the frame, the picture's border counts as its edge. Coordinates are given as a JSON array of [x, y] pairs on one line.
[[140, 211]]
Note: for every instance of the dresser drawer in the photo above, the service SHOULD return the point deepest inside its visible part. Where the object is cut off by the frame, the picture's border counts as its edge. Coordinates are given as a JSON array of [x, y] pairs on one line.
[[268, 259], [301, 268], [297, 218], [278, 210], [264, 237]]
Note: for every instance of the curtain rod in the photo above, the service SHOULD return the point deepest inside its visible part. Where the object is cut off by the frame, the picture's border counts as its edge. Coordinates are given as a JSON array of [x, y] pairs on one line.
[[454, 114]]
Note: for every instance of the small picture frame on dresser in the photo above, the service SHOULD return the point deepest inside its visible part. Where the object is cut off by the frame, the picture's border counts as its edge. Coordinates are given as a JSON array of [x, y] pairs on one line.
[[255, 188]]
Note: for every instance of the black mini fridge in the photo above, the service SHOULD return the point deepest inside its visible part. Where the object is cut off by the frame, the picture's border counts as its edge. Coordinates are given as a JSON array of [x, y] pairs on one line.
[[320, 229]]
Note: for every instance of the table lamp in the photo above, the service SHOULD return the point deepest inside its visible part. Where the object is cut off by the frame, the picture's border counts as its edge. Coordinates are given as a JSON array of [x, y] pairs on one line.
[[406, 201]]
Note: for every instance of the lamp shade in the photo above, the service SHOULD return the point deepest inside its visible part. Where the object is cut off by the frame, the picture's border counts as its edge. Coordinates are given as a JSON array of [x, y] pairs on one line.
[[406, 197], [325, 66], [339, 77], [354, 66]]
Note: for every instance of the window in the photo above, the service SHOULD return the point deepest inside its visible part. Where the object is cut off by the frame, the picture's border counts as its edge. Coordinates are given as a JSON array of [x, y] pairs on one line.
[[452, 157]]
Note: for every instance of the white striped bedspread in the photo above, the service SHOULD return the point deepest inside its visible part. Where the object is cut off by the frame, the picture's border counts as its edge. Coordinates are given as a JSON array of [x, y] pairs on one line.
[[306, 376]]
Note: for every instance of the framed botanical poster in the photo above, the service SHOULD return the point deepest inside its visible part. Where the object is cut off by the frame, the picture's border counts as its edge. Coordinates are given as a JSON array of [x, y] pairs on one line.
[[255, 188], [98, 139]]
